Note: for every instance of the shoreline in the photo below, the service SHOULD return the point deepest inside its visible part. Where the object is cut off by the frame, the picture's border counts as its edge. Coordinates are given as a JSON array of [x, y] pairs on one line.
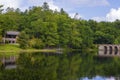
[[11, 48], [30, 50], [17, 52]]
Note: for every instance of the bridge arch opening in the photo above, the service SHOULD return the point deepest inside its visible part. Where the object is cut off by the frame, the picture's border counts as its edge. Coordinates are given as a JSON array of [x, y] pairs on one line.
[[116, 50], [105, 49], [110, 49]]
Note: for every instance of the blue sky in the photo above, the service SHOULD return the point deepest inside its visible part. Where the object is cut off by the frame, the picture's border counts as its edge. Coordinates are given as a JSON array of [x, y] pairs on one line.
[[99, 10]]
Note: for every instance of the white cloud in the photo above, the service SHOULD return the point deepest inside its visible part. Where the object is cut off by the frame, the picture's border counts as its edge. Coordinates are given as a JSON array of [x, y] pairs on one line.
[[25, 4], [91, 2], [111, 16], [10, 3], [53, 6], [71, 6], [40, 3], [73, 15], [99, 19], [67, 4]]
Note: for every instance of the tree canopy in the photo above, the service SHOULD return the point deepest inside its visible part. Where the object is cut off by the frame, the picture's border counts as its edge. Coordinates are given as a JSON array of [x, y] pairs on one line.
[[56, 28]]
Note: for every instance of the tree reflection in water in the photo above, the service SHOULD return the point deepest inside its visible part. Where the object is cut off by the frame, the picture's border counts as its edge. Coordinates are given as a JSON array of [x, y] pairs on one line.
[[66, 66]]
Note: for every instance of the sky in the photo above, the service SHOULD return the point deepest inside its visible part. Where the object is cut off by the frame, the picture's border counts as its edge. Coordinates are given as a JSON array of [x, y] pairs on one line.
[[99, 10]]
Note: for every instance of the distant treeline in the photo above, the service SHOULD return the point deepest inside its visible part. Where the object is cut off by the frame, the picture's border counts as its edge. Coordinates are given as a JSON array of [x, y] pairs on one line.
[[42, 27]]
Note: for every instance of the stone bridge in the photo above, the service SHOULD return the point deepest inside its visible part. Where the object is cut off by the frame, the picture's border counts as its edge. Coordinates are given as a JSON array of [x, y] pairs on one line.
[[108, 50]]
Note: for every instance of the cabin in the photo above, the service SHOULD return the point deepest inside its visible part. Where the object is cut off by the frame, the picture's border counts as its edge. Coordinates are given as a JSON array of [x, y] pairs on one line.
[[10, 37]]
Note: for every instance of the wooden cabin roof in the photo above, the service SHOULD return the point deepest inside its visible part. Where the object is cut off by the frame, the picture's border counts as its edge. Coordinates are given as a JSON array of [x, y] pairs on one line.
[[12, 32]]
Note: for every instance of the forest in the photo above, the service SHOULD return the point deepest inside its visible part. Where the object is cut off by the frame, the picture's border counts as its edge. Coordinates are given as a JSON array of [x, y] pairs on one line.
[[41, 27]]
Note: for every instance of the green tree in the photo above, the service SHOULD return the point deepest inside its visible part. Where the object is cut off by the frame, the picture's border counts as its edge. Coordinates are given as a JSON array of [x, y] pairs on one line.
[[51, 35], [1, 9], [117, 24], [117, 40], [93, 25], [0, 38], [45, 6], [87, 36], [62, 12], [23, 40], [75, 39], [102, 38], [36, 43]]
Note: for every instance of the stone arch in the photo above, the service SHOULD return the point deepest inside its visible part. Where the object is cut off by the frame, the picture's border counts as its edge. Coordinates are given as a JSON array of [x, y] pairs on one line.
[[110, 50], [116, 50], [105, 49]]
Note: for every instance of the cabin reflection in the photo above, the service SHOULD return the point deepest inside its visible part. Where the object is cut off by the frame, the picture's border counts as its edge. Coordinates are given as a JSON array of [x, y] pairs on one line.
[[9, 62]]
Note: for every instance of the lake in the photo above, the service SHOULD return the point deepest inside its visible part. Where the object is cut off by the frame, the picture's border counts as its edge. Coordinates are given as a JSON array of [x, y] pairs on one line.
[[73, 65]]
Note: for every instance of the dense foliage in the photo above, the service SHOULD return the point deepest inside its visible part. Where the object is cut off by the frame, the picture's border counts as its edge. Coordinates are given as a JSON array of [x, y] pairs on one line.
[[53, 29]]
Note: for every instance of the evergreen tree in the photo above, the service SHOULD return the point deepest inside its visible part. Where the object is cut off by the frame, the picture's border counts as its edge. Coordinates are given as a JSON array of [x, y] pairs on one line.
[[1, 9], [45, 6]]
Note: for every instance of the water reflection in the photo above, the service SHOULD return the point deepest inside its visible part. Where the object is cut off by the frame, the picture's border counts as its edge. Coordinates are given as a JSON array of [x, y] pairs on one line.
[[99, 78], [66, 66], [9, 62]]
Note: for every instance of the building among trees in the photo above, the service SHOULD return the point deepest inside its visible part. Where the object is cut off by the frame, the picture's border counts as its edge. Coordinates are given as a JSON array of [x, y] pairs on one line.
[[10, 37]]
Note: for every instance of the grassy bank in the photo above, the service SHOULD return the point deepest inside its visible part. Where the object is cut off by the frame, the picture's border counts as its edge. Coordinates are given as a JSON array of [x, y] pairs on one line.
[[16, 48], [9, 47]]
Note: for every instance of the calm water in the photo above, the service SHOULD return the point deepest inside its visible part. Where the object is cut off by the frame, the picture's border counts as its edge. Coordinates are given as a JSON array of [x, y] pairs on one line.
[[66, 66]]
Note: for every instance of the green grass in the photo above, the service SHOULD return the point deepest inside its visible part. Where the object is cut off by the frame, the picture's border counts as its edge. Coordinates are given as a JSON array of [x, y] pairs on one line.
[[12, 49], [9, 47]]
